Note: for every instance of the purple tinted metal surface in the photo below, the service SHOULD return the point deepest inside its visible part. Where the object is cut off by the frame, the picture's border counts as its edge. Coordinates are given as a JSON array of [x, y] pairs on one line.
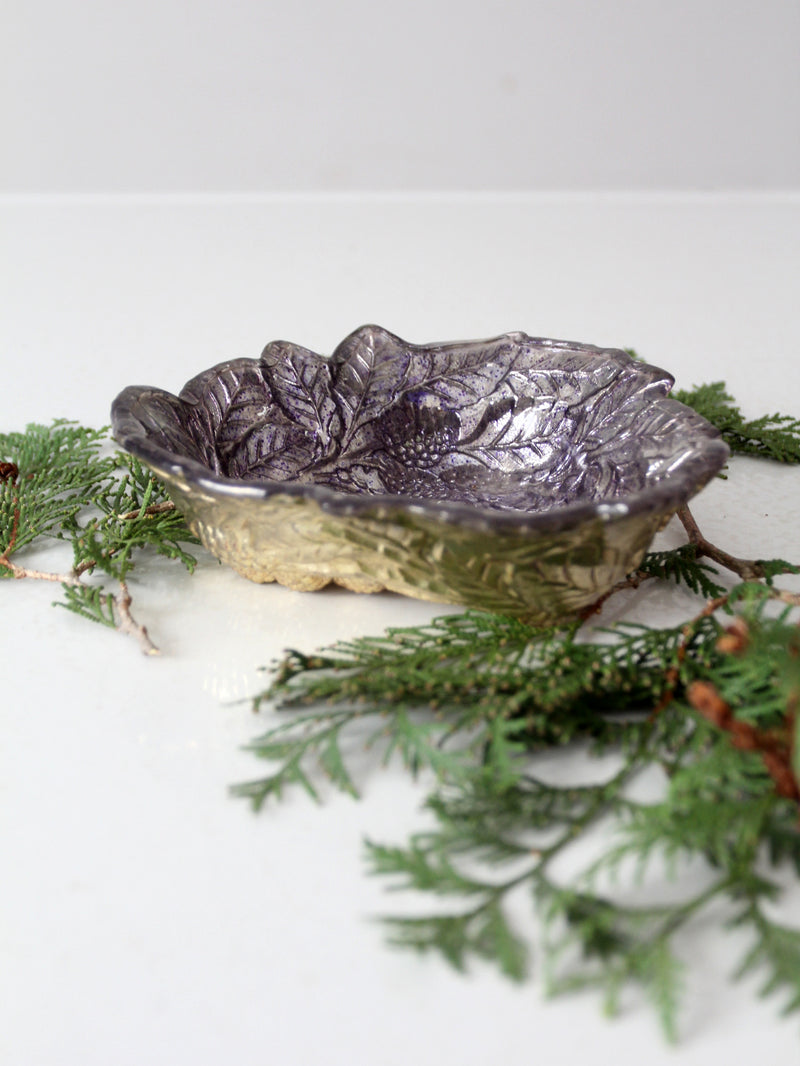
[[513, 429]]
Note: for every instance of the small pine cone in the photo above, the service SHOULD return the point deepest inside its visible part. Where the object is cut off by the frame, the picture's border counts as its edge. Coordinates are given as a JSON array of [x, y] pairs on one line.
[[780, 772], [743, 736], [703, 696], [735, 638]]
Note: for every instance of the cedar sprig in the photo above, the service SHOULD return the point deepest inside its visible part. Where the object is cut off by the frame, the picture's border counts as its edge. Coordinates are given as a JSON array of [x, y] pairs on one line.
[[498, 693], [48, 475], [498, 689], [61, 483], [771, 436], [682, 565]]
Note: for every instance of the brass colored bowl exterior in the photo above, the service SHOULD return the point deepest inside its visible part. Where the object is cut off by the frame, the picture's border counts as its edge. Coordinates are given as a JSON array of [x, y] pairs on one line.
[[539, 577], [326, 521]]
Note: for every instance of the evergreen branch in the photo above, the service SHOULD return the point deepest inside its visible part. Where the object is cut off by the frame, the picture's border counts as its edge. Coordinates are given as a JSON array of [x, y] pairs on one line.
[[772, 436], [502, 691], [776, 949], [109, 609], [682, 566], [618, 944], [504, 688], [292, 744], [57, 470], [747, 569], [483, 932], [56, 484]]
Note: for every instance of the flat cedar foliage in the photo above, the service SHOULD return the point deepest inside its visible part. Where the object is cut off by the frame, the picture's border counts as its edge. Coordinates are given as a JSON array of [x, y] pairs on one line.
[[58, 483], [477, 700]]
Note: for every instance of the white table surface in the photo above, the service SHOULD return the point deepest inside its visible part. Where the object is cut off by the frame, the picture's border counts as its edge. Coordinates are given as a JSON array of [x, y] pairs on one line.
[[145, 917]]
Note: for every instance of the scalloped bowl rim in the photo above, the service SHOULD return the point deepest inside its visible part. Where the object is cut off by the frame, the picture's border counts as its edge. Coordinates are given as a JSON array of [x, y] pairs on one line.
[[707, 459]]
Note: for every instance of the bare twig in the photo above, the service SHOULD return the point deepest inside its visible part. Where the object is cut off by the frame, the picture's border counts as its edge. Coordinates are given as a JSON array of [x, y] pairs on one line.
[[792, 598], [121, 603], [631, 581], [128, 624], [747, 569], [673, 674], [774, 748], [70, 578], [153, 509]]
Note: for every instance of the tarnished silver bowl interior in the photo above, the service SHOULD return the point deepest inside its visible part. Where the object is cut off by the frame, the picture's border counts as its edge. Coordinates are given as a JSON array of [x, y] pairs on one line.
[[514, 474]]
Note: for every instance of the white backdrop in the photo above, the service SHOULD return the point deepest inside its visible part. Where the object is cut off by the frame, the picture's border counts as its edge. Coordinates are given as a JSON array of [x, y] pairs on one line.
[[148, 919], [145, 918], [178, 95]]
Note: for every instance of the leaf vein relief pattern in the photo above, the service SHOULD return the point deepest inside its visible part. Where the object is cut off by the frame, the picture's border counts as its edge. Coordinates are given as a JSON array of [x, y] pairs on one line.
[[509, 423]]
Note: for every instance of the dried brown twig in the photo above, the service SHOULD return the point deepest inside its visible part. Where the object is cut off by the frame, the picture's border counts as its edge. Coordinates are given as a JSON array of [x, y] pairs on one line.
[[746, 569]]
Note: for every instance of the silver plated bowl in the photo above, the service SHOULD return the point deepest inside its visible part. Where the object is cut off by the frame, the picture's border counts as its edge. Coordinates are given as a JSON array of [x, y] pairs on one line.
[[516, 474]]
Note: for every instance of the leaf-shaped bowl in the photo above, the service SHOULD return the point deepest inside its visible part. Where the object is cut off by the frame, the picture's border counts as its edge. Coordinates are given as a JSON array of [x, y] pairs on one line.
[[516, 474]]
